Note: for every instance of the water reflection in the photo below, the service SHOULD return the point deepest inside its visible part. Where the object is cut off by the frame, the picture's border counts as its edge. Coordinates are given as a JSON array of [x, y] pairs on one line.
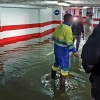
[[1, 64], [24, 66]]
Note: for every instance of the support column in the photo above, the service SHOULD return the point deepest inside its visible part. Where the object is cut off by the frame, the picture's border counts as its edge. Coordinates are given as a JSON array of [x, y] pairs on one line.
[[69, 10], [77, 12], [72, 11], [96, 16], [95, 11], [84, 11], [57, 15], [40, 19]]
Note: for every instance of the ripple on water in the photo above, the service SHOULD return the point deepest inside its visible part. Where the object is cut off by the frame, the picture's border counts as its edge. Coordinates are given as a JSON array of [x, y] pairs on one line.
[[74, 89]]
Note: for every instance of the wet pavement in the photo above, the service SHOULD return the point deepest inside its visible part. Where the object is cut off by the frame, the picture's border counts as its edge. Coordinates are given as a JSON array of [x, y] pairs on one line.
[[25, 75]]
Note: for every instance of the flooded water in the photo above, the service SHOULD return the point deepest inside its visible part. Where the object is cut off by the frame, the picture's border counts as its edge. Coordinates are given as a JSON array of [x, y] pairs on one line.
[[25, 75]]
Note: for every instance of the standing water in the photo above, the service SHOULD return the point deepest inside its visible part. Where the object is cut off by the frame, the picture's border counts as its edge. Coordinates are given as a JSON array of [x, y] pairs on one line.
[[25, 75]]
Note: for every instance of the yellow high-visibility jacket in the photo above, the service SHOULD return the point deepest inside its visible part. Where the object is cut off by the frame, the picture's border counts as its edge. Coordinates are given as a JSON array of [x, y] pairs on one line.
[[63, 40]]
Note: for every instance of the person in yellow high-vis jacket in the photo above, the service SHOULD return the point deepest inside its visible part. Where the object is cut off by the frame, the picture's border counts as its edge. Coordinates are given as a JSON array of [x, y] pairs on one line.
[[63, 45]]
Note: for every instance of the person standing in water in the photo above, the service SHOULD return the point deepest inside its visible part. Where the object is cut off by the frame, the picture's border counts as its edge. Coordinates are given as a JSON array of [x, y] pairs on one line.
[[78, 29], [63, 45]]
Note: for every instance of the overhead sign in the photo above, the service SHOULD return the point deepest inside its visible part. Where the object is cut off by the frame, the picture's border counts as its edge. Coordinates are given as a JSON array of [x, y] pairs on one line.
[[56, 12]]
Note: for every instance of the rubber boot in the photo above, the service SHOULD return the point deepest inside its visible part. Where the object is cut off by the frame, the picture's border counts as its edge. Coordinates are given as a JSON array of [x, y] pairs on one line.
[[62, 80], [53, 74]]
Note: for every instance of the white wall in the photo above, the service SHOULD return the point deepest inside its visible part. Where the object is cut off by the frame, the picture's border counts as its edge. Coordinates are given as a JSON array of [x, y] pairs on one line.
[[58, 17], [21, 16], [96, 15], [46, 16], [13, 16]]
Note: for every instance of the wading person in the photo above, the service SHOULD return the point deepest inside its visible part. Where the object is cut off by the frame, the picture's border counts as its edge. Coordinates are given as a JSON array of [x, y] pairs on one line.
[[63, 45], [78, 29], [91, 61]]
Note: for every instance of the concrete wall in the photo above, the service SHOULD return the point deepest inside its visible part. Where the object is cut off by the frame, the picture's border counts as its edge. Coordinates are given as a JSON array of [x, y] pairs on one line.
[[96, 16], [46, 16], [23, 24], [15, 20]]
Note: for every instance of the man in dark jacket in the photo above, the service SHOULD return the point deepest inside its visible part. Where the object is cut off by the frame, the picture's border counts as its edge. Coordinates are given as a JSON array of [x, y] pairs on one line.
[[78, 29], [91, 61]]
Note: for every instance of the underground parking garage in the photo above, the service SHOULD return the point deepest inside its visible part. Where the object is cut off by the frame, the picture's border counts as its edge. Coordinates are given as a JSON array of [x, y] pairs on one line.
[[26, 49]]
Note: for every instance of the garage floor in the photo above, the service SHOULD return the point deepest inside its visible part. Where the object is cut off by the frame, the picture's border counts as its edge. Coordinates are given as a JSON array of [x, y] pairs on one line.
[[25, 72]]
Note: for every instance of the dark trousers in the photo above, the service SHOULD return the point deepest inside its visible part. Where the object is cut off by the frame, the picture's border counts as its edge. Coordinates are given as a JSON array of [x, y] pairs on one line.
[[77, 38], [95, 86]]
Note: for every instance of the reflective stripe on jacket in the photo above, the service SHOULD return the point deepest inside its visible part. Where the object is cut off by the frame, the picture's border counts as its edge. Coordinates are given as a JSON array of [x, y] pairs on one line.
[[63, 40]]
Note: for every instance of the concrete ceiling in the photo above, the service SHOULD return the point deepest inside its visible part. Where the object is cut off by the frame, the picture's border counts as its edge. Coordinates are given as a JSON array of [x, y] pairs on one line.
[[72, 2]]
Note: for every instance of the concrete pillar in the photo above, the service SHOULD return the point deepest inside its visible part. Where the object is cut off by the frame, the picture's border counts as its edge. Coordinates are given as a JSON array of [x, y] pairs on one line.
[[40, 20], [95, 11], [72, 11], [77, 12], [84, 11], [69, 10], [96, 16], [57, 14]]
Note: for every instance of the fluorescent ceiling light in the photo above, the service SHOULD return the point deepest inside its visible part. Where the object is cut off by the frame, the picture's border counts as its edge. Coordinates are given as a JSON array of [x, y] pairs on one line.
[[49, 2], [63, 4], [85, 7], [74, 2], [45, 2]]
